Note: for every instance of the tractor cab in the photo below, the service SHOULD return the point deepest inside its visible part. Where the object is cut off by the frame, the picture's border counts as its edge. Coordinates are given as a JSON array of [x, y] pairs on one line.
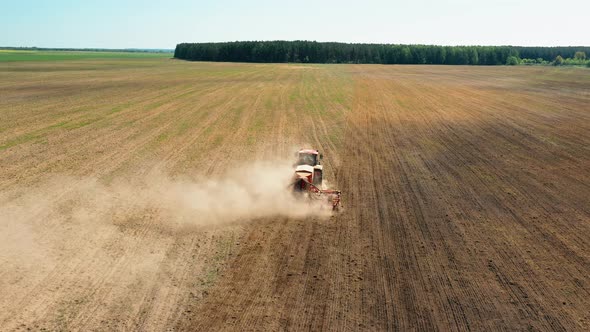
[[308, 157], [308, 166]]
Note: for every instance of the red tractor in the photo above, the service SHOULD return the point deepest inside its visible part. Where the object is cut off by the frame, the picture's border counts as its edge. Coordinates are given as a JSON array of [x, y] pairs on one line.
[[309, 175]]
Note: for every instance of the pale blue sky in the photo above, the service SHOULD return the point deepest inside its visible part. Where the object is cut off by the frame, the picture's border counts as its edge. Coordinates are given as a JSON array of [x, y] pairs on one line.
[[163, 24]]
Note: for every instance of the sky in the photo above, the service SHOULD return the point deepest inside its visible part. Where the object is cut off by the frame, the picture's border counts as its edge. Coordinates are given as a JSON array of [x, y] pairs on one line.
[[163, 24]]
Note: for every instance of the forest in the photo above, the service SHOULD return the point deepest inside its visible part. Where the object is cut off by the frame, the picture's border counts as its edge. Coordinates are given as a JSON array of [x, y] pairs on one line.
[[320, 52]]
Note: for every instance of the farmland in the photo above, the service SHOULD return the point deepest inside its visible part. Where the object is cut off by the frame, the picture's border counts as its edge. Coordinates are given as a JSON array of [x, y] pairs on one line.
[[466, 196], [31, 55]]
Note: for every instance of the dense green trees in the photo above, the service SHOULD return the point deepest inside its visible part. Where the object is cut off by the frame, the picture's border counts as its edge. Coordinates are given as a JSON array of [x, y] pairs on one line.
[[550, 53], [558, 61], [315, 52], [512, 61], [580, 55]]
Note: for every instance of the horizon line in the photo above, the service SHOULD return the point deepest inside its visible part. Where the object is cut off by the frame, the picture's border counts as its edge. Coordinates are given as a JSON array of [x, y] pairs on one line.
[[276, 40]]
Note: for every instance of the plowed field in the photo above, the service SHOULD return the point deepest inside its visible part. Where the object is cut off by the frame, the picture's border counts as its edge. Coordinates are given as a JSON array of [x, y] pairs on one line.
[[466, 194]]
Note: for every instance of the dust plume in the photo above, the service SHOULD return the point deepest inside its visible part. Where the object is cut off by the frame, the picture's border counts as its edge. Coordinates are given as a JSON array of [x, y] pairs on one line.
[[256, 190], [68, 239]]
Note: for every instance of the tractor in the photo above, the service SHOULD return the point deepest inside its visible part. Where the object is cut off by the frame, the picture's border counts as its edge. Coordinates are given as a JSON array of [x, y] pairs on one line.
[[308, 178]]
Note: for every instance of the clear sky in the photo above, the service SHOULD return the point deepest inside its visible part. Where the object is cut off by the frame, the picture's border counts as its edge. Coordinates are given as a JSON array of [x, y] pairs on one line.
[[163, 24]]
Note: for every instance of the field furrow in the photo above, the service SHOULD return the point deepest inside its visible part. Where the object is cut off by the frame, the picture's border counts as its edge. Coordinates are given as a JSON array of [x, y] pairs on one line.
[[466, 197]]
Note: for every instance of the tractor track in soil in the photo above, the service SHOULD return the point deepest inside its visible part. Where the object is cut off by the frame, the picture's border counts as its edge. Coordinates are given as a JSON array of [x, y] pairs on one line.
[[466, 197]]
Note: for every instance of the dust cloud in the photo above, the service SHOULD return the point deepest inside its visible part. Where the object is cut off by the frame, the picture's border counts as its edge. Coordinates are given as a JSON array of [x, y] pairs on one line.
[[63, 236], [257, 190]]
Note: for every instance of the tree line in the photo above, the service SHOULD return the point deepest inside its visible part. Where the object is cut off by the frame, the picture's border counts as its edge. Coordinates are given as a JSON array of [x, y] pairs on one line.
[[579, 59], [318, 52]]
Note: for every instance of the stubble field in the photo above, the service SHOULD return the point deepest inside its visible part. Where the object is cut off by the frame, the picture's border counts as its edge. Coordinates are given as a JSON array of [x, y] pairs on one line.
[[466, 195]]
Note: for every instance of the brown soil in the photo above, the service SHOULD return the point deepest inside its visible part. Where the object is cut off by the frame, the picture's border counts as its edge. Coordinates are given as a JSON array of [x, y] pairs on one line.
[[466, 197]]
